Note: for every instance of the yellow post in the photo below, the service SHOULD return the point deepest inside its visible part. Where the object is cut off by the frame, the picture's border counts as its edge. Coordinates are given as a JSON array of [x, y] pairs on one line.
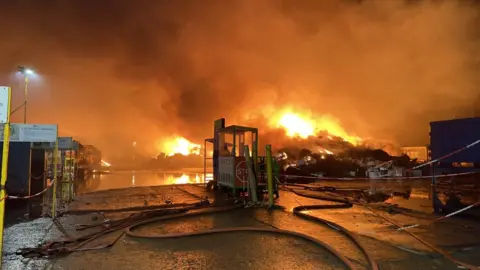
[[268, 154], [74, 173], [65, 192], [3, 193], [55, 161]]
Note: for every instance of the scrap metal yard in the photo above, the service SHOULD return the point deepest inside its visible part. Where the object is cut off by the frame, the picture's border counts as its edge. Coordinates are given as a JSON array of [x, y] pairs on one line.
[[273, 134]]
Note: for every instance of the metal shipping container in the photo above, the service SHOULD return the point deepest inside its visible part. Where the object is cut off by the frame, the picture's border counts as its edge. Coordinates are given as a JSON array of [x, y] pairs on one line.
[[451, 135]]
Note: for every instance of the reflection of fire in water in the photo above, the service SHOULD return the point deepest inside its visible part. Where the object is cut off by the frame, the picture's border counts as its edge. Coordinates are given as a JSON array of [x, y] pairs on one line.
[[186, 179], [303, 126], [208, 177], [180, 145], [133, 178]]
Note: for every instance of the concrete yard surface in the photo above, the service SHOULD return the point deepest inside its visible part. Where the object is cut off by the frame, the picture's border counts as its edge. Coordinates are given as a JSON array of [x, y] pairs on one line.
[[392, 249]]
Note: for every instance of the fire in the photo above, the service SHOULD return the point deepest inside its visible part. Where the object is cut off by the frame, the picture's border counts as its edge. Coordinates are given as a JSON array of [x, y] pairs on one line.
[[180, 145], [105, 164], [294, 125], [303, 126], [325, 151]]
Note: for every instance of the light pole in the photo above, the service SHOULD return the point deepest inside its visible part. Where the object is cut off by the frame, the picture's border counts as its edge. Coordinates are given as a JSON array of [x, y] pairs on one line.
[[25, 72]]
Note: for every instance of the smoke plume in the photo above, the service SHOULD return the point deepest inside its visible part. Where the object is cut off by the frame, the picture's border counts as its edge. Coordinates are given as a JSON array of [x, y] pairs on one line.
[[117, 71]]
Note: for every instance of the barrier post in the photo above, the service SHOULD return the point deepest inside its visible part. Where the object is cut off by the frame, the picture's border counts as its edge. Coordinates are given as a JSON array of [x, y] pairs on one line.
[[70, 176], [55, 161], [6, 145], [268, 153], [437, 206], [74, 174], [252, 183]]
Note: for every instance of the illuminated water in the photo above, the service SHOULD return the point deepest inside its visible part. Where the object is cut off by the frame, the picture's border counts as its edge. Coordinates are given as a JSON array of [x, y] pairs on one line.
[[126, 179]]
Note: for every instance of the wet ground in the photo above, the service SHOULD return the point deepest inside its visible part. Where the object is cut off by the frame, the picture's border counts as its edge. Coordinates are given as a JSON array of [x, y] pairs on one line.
[[392, 249], [142, 178]]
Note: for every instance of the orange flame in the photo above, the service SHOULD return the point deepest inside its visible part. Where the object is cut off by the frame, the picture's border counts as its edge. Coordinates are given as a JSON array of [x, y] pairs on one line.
[[180, 145], [294, 125], [304, 126]]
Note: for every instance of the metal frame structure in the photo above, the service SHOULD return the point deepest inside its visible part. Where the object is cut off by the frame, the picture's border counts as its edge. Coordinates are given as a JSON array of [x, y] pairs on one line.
[[235, 155], [205, 158], [234, 168]]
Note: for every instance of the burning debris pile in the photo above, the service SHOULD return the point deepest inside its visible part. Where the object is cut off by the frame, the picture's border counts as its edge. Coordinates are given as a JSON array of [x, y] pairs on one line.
[[305, 144], [181, 146], [355, 161], [320, 146]]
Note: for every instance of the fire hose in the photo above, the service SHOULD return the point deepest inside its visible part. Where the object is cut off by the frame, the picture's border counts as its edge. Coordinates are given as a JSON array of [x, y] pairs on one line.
[[76, 244], [143, 218], [400, 228], [130, 232], [297, 211], [343, 203], [134, 221]]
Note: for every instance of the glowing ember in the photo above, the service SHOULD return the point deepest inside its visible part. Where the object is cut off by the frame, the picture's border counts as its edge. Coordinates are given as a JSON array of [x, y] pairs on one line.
[[325, 151], [303, 126], [104, 163], [180, 145]]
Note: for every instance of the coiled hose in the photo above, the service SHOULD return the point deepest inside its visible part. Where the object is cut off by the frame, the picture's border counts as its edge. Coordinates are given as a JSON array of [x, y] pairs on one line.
[[130, 231], [343, 203]]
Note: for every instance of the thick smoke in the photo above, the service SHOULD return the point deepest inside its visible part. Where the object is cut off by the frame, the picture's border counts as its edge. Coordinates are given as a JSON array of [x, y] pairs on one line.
[[117, 71]]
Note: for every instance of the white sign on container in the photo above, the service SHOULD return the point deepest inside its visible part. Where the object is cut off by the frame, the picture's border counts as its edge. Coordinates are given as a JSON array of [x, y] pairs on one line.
[[4, 97], [31, 133], [37, 133]]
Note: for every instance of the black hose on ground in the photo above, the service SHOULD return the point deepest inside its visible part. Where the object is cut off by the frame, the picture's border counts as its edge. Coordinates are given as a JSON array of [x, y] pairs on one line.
[[435, 248], [125, 209], [143, 218], [130, 232], [343, 203], [76, 244]]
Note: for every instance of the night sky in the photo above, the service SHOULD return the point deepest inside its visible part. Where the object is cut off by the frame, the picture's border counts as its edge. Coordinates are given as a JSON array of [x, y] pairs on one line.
[[116, 71]]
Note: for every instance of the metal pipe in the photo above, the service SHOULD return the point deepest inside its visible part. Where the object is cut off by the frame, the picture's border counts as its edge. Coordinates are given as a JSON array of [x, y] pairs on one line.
[[255, 151], [205, 163], [55, 162], [251, 176], [26, 99], [268, 154]]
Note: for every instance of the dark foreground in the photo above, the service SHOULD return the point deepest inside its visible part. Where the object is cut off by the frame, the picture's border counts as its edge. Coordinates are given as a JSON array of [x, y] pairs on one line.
[[392, 249]]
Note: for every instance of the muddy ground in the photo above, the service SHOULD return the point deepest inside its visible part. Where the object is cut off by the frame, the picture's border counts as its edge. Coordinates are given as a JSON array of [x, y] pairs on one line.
[[391, 248]]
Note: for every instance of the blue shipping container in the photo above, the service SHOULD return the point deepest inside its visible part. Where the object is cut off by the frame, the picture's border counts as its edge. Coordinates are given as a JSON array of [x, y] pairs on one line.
[[451, 135]]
